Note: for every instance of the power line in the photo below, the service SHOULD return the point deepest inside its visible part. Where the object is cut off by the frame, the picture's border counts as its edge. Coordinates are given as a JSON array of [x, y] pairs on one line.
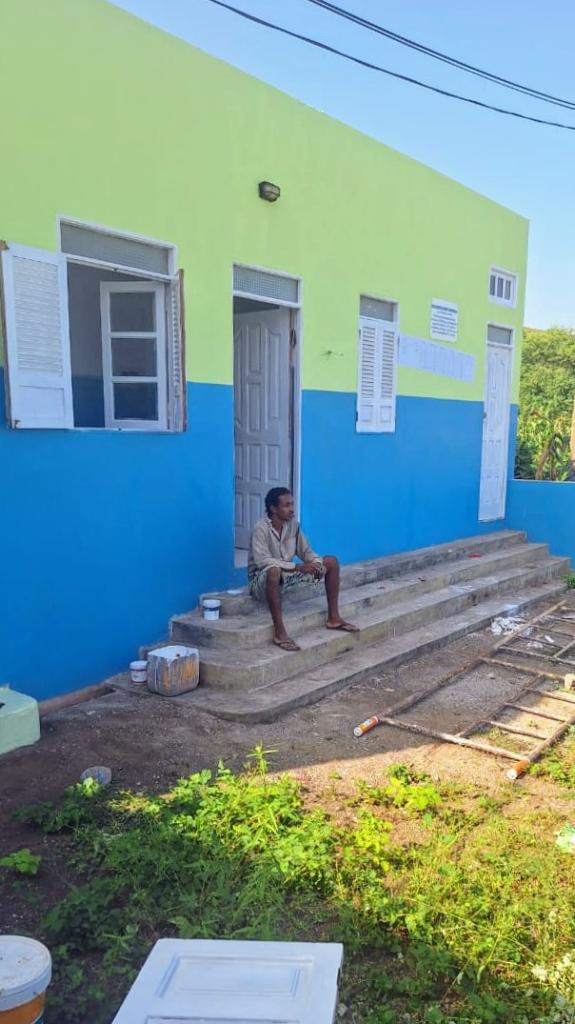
[[386, 71], [444, 57]]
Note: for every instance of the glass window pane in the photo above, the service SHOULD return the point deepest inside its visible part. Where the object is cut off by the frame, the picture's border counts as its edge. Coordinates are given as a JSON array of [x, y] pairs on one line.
[[133, 311], [134, 357], [492, 284], [136, 401], [499, 287], [508, 290]]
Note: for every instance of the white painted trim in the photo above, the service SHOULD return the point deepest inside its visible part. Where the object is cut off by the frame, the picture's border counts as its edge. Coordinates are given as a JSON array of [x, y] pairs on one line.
[[493, 299], [108, 288], [297, 397], [267, 298], [297, 411], [87, 261], [104, 229]]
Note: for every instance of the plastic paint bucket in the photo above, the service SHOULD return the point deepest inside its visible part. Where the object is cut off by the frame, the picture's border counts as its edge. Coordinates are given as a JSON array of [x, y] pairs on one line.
[[25, 973], [139, 671], [211, 608]]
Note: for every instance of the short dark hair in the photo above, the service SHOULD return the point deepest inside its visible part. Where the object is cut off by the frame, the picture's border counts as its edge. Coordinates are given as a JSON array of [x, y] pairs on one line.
[[273, 497]]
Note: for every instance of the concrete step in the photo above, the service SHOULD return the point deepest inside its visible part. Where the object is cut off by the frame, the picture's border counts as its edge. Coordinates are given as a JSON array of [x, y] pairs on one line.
[[238, 602], [249, 631], [263, 665], [270, 702]]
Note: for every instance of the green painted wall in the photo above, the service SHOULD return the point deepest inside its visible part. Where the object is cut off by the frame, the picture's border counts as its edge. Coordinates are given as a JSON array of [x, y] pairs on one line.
[[112, 121]]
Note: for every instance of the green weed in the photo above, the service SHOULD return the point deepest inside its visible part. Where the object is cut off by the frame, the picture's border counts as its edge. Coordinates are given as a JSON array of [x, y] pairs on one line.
[[471, 924], [23, 862], [413, 792]]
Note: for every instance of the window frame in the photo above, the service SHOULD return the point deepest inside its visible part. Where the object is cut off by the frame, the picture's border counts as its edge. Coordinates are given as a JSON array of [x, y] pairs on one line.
[[108, 288], [496, 272], [166, 397]]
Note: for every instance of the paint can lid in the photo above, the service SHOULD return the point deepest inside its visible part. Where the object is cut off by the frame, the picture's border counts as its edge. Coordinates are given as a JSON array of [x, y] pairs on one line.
[[99, 773], [138, 666], [25, 970]]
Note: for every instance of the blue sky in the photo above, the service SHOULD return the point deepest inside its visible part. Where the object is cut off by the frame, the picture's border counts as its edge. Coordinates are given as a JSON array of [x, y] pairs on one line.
[[522, 165]]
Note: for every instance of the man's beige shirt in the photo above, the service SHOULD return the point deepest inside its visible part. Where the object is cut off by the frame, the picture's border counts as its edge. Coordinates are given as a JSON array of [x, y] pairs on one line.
[[268, 548]]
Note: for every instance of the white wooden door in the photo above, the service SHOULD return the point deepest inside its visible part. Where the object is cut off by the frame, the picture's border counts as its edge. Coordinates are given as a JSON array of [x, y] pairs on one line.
[[494, 455], [261, 413]]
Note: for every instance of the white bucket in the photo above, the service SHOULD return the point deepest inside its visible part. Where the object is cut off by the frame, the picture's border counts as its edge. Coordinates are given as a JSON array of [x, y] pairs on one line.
[[139, 671], [211, 608], [25, 973]]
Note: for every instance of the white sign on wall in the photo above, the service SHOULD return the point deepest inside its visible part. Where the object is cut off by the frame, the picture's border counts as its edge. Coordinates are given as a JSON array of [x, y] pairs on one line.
[[443, 320]]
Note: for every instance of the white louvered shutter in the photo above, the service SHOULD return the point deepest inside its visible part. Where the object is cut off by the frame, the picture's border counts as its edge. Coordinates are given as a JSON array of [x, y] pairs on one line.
[[176, 354], [377, 358], [387, 377], [35, 293]]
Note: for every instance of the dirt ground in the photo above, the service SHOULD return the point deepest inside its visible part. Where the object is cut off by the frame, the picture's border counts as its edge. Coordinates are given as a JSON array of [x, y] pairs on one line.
[[149, 742]]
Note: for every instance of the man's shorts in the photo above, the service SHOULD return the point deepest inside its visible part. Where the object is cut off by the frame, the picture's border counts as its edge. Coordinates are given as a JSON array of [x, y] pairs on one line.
[[288, 581]]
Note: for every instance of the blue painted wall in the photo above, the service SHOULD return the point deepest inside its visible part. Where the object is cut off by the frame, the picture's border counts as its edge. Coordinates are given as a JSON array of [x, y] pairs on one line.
[[108, 534], [371, 494], [104, 536], [546, 510]]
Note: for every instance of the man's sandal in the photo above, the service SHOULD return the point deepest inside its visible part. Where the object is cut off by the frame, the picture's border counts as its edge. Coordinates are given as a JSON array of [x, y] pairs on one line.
[[287, 645]]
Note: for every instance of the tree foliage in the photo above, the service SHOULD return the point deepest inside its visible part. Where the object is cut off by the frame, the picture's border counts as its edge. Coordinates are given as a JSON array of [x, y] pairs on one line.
[[546, 405]]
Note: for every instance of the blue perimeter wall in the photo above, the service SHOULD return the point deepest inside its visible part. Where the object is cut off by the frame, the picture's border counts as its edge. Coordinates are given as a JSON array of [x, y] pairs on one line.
[[105, 535], [546, 510]]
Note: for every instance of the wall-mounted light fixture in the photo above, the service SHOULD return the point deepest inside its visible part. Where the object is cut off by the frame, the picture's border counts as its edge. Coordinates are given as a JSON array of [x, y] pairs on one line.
[[267, 190]]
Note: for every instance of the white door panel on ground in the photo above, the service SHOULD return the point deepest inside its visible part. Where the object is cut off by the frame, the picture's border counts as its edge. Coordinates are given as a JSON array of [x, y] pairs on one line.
[[221, 982]]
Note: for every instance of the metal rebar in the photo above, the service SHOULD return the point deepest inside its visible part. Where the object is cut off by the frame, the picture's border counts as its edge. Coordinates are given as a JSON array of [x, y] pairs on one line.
[[448, 737], [524, 668], [536, 754], [518, 732], [551, 695], [537, 714], [564, 650]]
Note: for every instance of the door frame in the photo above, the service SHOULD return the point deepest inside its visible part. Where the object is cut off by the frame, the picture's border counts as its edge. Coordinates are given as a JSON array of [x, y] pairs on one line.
[[511, 349], [295, 400]]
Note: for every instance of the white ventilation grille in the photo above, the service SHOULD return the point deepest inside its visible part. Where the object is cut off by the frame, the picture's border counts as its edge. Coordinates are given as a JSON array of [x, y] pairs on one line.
[[499, 335], [266, 285], [38, 315], [115, 249], [379, 309]]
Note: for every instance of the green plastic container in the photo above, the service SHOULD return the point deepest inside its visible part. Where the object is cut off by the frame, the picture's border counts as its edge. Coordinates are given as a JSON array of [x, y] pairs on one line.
[[19, 720]]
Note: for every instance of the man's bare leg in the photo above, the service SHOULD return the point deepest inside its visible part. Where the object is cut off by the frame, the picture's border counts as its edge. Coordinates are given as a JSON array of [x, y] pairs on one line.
[[334, 619], [274, 600]]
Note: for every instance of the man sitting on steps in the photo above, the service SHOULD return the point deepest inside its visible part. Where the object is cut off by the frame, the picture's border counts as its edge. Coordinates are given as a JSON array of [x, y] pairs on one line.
[[275, 541]]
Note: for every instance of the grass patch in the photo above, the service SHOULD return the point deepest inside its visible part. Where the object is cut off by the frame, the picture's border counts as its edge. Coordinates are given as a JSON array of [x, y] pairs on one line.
[[471, 924]]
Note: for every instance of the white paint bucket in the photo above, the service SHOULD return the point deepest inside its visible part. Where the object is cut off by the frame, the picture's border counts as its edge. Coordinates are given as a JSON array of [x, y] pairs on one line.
[[211, 608], [25, 973], [139, 671]]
